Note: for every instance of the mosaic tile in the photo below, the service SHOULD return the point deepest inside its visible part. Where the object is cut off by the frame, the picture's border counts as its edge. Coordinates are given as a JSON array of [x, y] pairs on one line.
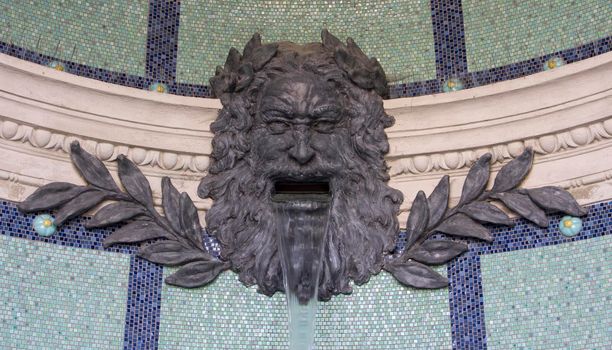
[[162, 40], [466, 303], [143, 305], [419, 88], [51, 296], [398, 33], [109, 35], [72, 234], [436, 26], [144, 283], [462, 307], [536, 64], [381, 314], [466, 296], [449, 41], [555, 297], [499, 32]]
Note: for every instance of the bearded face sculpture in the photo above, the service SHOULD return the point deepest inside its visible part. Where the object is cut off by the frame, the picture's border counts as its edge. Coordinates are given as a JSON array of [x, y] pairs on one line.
[[301, 114]]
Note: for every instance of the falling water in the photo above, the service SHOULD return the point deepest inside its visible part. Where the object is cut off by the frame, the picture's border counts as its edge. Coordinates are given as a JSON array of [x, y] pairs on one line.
[[303, 225]]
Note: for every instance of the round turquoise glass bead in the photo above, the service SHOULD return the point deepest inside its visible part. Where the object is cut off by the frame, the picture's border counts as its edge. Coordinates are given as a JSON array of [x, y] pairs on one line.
[[570, 226], [44, 225]]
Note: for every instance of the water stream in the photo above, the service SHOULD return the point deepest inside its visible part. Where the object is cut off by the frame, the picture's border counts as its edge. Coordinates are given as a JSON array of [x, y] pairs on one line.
[[303, 224]]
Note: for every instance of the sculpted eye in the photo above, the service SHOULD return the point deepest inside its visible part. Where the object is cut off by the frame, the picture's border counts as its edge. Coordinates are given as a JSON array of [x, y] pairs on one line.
[[328, 113], [278, 127], [324, 127], [273, 114]]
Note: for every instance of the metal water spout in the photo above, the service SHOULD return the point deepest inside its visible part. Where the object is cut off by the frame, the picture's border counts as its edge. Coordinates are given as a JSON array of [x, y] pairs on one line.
[[303, 221]]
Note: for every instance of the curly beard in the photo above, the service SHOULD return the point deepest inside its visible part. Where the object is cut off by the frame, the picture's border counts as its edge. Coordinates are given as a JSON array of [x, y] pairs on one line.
[[361, 231]]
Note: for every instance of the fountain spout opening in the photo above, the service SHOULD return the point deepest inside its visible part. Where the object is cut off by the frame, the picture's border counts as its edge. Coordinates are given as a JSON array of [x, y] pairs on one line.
[[302, 210]]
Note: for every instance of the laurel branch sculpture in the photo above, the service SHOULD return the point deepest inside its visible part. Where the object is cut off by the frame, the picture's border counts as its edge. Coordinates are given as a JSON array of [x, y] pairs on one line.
[[175, 238]]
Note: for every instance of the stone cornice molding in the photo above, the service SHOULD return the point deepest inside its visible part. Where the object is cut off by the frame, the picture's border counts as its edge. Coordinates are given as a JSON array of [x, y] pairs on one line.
[[48, 139], [564, 114], [90, 109], [582, 135]]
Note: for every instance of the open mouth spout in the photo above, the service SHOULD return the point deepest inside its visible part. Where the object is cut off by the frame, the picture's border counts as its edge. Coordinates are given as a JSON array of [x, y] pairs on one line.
[[286, 190]]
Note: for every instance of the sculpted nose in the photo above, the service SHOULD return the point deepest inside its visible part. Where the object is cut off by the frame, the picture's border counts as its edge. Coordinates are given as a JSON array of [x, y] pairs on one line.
[[301, 152]]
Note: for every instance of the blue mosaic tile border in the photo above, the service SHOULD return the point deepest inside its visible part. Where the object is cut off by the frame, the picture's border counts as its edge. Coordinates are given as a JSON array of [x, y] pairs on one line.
[[77, 68], [449, 45], [190, 90], [72, 234], [418, 88], [535, 65], [143, 305], [449, 38], [525, 235], [162, 40], [465, 290], [465, 296]]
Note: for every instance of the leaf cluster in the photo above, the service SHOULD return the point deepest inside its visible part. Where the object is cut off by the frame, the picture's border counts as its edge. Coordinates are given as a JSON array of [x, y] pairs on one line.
[[432, 214], [174, 239]]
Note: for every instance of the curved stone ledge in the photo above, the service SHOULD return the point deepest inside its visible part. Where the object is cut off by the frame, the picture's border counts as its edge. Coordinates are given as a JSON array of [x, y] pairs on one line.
[[41, 137], [545, 144], [579, 136], [563, 114], [71, 105], [585, 172]]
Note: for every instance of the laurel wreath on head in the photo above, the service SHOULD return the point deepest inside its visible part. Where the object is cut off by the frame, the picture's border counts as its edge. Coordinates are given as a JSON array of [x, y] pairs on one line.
[[239, 69]]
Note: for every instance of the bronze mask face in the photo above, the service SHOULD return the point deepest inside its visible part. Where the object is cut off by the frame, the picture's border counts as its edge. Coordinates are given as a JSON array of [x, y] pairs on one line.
[[300, 116]]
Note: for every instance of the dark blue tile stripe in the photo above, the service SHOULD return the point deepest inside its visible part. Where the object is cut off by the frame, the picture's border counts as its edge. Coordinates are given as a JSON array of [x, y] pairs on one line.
[[525, 235], [466, 291], [162, 40], [535, 65], [143, 305], [465, 299], [76, 68], [449, 38], [72, 234], [418, 88], [502, 73], [191, 90]]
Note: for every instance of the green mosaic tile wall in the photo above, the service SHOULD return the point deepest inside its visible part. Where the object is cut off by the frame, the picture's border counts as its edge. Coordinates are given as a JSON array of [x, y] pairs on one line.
[[557, 297], [379, 315], [500, 32], [103, 34], [398, 33], [54, 297]]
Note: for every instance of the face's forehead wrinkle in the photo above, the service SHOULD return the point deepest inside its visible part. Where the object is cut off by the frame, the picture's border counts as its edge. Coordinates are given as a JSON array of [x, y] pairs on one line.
[[277, 103], [300, 93], [300, 99], [309, 99]]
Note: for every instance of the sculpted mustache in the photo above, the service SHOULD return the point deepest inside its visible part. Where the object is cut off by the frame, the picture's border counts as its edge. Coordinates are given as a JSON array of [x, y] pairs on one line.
[[329, 171]]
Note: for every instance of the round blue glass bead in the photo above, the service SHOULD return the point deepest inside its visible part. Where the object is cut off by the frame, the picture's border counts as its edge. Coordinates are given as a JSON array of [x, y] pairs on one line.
[[570, 226], [44, 225]]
